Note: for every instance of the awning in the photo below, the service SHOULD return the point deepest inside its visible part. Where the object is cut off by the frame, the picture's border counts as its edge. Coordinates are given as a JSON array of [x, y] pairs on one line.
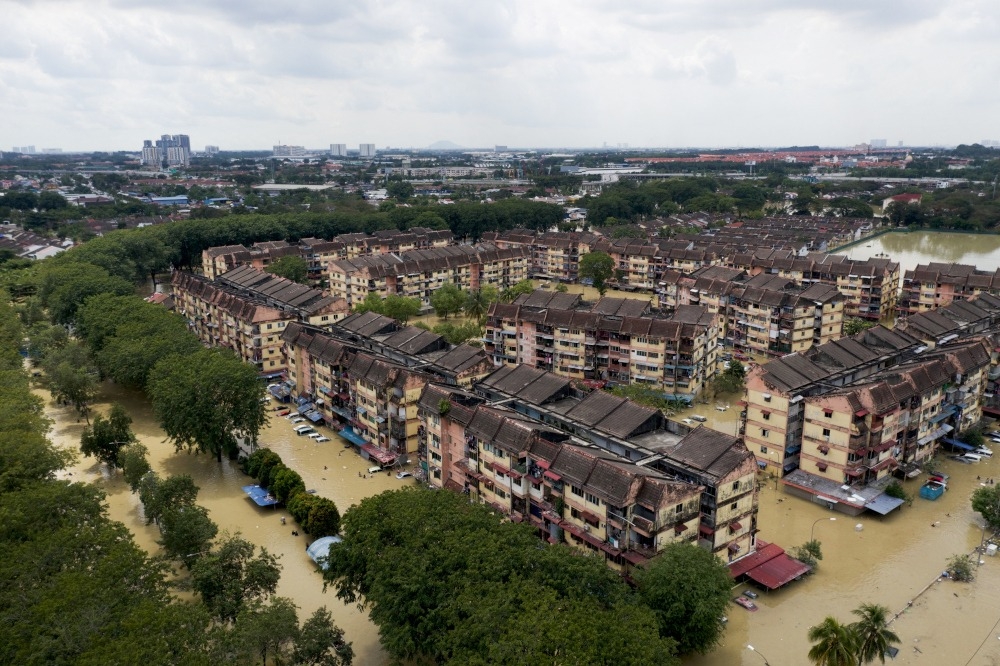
[[352, 437], [305, 407], [778, 571], [544, 464], [883, 504], [314, 416], [634, 557], [958, 445], [260, 496], [381, 455], [552, 476]]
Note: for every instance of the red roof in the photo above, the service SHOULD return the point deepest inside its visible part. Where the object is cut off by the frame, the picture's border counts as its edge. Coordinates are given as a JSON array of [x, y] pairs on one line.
[[769, 566]]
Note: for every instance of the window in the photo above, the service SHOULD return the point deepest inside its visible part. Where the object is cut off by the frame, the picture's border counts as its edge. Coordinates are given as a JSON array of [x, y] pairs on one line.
[[679, 509], [766, 416], [576, 491], [733, 506], [736, 485], [826, 432], [827, 414], [593, 499], [767, 397], [764, 432], [763, 449]]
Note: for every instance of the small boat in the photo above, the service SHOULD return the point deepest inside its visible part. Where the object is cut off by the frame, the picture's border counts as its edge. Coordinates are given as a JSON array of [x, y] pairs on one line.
[[745, 603]]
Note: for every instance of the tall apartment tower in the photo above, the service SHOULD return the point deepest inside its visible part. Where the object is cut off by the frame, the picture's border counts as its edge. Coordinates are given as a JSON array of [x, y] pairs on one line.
[[367, 149], [151, 154], [338, 149], [175, 148]]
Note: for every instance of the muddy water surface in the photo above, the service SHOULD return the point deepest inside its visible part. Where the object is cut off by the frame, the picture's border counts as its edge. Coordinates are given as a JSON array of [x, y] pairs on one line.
[[329, 468], [886, 560], [921, 247]]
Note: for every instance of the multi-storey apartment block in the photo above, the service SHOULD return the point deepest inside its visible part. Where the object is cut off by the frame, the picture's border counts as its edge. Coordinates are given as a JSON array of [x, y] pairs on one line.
[[247, 310], [419, 273], [610, 341], [718, 462], [935, 285]]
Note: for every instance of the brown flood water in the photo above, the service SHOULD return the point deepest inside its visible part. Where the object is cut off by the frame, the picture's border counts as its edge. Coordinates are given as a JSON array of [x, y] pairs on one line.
[[220, 492], [888, 561]]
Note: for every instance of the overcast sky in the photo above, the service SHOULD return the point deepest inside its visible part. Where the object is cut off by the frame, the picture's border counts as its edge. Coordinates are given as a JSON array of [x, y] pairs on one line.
[[101, 74]]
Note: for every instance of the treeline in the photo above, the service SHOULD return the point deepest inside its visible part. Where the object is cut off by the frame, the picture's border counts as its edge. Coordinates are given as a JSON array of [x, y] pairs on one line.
[[448, 581], [76, 589]]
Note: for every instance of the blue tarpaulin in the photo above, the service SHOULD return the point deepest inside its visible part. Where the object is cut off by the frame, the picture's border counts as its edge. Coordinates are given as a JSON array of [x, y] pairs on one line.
[[314, 416], [260, 496], [352, 437]]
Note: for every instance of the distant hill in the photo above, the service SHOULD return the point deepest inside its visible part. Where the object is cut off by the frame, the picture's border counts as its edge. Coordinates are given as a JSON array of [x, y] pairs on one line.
[[444, 145]]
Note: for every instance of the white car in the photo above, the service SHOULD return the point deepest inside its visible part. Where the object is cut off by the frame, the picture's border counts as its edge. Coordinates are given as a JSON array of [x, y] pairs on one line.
[[314, 435], [321, 439], [296, 419]]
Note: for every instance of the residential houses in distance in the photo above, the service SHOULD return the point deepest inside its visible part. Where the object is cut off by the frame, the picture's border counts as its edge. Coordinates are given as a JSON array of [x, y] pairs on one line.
[[247, 310], [614, 339], [935, 285], [419, 273], [319, 253]]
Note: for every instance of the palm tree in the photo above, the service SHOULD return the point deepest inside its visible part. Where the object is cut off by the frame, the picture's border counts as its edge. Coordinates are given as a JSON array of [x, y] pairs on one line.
[[835, 644], [477, 304], [872, 633]]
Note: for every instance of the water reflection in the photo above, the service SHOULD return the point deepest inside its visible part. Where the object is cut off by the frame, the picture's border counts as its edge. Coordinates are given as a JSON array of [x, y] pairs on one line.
[[921, 247], [335, 472]]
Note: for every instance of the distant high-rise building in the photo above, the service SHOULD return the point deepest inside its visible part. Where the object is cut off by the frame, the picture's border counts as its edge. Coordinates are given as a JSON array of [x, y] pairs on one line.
[[367, 149], [176, 149], [500, 149], [289, 151], [878, 143], [211, 150], [338, 149]]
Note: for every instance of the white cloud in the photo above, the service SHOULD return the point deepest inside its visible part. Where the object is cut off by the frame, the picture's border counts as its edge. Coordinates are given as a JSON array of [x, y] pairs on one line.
[[105, 74]]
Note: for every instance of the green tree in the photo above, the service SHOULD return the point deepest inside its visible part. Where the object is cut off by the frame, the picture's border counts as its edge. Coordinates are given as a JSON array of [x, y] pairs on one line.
[[400, 308], [321, 642], [834, 644], [399, 189], [732, 378], [290, 267], [260, 462], [448, 300], [688, 589], [855, 325], [986, 501], [70, 376], [51, 201], [478, 301], [231, 576], [135, 465], [597, 267], [961, 569], [262, 633], [810, 553], [510, 294], [371, 303], [286, 483], [63, 287], [160, 495], [186, 532], [874, 638], [207, 400], [106, 437]]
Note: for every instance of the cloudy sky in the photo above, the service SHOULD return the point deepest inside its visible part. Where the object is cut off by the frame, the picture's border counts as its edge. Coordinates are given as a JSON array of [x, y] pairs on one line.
[[106, 74]]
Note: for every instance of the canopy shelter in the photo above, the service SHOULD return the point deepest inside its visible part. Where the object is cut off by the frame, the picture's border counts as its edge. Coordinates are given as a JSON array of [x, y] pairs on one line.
[[260, 496], [883, 504], [320, 548], [352, 437], [769, 565], [955, 444]]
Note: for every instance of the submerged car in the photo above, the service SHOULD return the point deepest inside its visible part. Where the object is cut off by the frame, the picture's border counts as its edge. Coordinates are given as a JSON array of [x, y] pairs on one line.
[[746, 603]]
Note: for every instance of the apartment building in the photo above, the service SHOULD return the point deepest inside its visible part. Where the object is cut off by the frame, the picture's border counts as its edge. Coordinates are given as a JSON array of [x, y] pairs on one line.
[[720, 463], [610, 340], [247, 310], [770, 314], [571, 493], [419, 273], [869, 287], [935, 285], [773, 419], [318, 253], [958, 319]]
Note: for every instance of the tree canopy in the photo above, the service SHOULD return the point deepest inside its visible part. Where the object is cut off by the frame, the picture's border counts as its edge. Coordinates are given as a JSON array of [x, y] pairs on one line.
[[290, 267], [597, 267], [107, 436]]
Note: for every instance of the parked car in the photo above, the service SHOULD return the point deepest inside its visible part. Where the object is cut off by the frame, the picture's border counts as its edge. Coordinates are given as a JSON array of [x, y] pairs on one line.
[[745, 603], [374, 469], [296, 419], [303, 430], [321, 439], [749, 594], [983, 451], [403, 474], [314, 435], [699, 418]]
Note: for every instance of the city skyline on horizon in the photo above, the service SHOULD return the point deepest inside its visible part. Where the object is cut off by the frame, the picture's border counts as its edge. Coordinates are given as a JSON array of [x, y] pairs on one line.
[[104, 76]]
